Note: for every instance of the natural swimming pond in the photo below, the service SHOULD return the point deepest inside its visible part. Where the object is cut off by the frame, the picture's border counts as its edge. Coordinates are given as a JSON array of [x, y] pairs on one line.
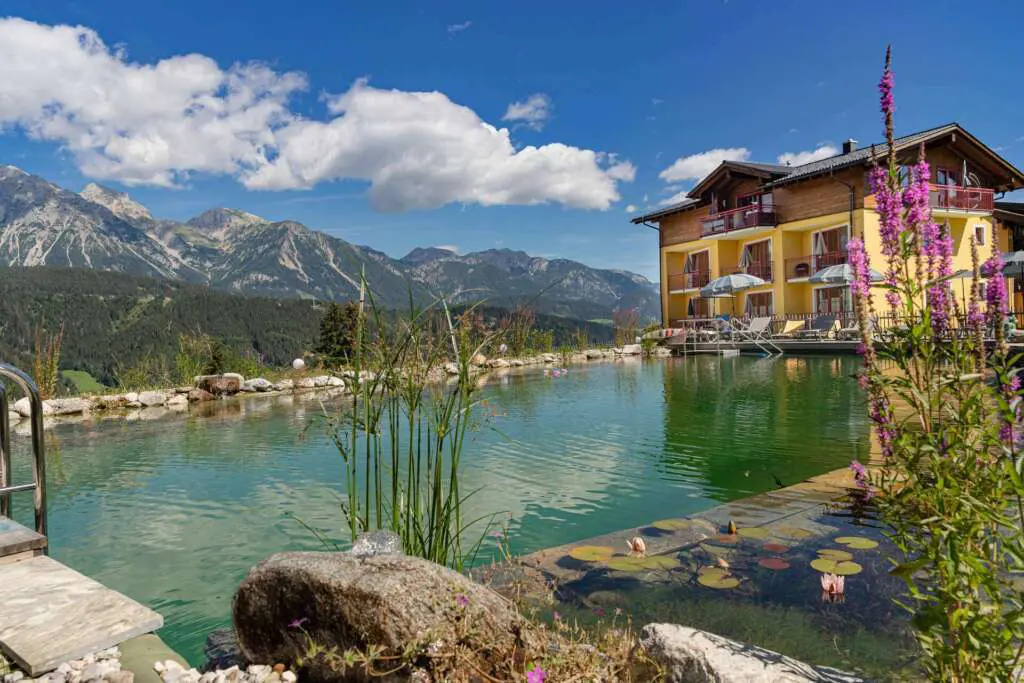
[[174, 511]]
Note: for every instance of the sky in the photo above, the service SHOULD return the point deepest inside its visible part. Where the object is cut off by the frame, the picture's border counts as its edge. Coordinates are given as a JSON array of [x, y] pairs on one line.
[[539, 126]]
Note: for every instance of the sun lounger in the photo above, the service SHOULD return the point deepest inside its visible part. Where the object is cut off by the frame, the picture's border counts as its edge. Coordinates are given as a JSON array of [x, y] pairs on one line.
[[820, 328], [758, 329], [790, 329]]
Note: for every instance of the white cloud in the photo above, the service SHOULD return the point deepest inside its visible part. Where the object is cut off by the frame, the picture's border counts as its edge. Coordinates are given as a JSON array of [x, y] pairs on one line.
[[799, 158], [656, 101], [156, 124], [456, 28], [420, 150], [631, 208], [674, 199], [141, 124], [533, 112], [696, 166], [448, 247]]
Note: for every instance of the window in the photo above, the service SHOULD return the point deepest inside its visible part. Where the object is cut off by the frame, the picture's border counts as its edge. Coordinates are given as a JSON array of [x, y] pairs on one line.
[[944, 176], [835, 300], [759, 305], [979, 234]]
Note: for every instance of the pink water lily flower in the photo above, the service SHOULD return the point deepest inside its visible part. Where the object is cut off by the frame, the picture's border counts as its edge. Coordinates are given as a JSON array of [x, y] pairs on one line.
[[833, 584], [637, 546]]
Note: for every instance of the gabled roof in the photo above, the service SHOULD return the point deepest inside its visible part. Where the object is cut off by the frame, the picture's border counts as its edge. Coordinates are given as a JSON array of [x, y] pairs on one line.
[[777, 175]]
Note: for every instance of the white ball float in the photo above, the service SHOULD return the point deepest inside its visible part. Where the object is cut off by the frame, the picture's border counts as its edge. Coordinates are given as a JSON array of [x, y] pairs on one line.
[[298, 364]]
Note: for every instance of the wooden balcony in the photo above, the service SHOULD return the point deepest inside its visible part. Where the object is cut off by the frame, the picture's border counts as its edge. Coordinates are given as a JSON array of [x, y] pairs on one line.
[[752, 216], [952, 197], [798, 267], [684, 281], [759, 269]]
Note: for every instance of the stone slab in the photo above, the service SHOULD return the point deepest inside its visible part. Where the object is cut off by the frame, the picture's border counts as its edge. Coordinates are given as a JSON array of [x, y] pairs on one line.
[[50, 614], [16, 539]]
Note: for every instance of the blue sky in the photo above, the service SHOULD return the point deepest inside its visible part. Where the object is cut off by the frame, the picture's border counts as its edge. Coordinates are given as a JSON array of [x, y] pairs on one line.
[[599, 99]]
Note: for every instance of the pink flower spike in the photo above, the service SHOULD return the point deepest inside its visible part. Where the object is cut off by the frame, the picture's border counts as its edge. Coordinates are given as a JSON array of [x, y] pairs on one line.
[[537, 675], [297, 623], [462, 601]]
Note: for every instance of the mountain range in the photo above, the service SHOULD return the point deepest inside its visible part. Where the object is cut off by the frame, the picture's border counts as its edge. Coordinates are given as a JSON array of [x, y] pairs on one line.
[[43, 224]]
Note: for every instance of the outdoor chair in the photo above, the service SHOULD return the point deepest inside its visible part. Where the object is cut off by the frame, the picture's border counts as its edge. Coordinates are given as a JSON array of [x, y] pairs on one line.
[[759, 329], [790, 329], [852, 332], [820, 328]]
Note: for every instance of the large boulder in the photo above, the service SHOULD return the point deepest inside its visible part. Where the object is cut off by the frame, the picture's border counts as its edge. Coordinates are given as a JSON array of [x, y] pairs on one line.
[[687, 655], [342, 601], [23, 407], [479, 360], [497, 363], [199, 396], [111, 402], [629, 350], [257, 384], [152, 399], [53, 406], [593, 354], [220, 385], [178, 402]]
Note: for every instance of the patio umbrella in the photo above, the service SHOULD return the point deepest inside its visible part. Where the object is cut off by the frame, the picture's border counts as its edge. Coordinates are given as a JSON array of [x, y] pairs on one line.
[[730, 284], [841, 274], [1013, 264]]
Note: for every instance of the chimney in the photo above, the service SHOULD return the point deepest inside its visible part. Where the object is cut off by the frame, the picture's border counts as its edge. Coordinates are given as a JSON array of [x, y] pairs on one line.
[[849, 146]]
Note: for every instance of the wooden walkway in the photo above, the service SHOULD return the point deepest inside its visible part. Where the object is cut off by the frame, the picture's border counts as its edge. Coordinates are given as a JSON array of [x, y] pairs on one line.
[[788, 346], [50, 614]]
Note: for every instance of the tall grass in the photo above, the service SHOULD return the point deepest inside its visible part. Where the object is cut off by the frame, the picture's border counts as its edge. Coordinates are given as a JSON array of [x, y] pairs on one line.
[[46, 361], [401, 435]]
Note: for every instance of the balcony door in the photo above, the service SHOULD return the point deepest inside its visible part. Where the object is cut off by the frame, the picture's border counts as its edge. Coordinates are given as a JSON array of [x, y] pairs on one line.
[[833, 300], [756, 259], [830, 247], [697, 270]]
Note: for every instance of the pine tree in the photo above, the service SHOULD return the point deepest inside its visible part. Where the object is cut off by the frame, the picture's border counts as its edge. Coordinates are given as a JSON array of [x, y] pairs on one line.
[[338, 331]]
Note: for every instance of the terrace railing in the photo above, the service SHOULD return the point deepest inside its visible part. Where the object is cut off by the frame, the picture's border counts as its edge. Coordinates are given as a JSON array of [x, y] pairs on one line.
[[806, 266], [752, 216], [38, 484], [694, 280], [961, 198], [761, 269]]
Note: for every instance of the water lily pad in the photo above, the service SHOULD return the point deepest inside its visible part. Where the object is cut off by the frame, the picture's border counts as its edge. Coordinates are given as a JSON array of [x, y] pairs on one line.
[[638, 564], [838, 567], [793, 532], [857, 542], [717, 578], [672, 524], [724, 539], [774, 563], [775, 547], [834, 554], [592, 553], [753, 532], [717, 550]]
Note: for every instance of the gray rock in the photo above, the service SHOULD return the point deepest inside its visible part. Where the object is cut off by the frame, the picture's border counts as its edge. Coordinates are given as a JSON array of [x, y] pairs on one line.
[[379, 542], [516, 363], [257, 384], [220, 385], [479, 360], [321, 381], [688, 655], [258, 672], [111, 402], [131, 397], [14, 677], [344, 601], [451, 369], [629, 350], [549, 358], [306, 383], [66, 406], [14, 417], [119, 676], [151, 399], [593, 354], [23, 407], [335, 382], [285, 385], [200, 395], [497, 363], [178, 401]]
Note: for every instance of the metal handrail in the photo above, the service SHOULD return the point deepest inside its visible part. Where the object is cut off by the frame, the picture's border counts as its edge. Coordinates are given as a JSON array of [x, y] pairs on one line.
[[38, 485]]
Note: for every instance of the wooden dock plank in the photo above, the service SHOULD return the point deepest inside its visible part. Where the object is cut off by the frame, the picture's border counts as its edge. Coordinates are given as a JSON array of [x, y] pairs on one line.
[[50, 614], [14, 538]]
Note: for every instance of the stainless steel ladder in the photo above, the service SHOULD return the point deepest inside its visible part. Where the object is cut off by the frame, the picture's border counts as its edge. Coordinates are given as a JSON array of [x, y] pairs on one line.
[[38, 484]]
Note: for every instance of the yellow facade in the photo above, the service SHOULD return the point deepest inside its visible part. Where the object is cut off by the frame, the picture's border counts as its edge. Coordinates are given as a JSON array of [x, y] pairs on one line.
[[793, 242]]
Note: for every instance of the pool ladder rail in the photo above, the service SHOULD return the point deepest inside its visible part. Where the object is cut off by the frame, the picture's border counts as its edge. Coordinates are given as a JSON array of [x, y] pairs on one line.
[[16, 541]]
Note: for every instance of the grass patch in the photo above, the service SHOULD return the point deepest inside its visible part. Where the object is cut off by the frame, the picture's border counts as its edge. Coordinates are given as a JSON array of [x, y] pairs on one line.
[[83, 381]]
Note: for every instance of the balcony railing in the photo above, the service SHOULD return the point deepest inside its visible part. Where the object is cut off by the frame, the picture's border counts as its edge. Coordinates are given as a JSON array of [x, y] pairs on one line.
[[694, 280], [752, 216], [961, 198], [806, 266], [761, 269]]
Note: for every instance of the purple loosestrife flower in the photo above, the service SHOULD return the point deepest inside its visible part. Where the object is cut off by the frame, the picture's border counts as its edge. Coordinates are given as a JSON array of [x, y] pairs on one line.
[[885, 87], [881, 415], [537, 675], [859, 264], [859, 471], [462, 601], [297, 623], [995, 290]]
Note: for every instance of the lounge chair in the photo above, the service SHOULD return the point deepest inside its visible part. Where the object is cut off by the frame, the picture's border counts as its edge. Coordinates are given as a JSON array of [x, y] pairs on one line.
[[759, 329], [852, 332], [820, 328], [790, 329]]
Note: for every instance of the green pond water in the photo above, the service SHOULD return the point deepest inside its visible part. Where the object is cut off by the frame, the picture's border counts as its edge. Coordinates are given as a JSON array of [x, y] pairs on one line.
[[174, 511]]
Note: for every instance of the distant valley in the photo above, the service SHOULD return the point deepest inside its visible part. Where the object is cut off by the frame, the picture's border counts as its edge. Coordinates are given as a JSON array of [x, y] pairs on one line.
[[42, 224]]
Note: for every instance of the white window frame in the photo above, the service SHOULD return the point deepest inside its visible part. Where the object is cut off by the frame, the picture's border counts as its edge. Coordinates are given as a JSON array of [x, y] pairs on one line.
[[746, 301]]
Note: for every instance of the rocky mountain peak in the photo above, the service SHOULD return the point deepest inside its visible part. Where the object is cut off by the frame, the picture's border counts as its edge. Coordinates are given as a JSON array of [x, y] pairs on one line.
[[217, 223], [423, 255], [119, 203]]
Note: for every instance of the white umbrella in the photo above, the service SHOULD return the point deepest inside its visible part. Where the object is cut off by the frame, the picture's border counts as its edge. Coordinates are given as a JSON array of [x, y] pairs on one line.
[[729, 284], [841, 274], [1013, 264]]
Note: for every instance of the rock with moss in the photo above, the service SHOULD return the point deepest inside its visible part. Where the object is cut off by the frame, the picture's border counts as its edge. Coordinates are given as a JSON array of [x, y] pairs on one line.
[[313, 607]]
